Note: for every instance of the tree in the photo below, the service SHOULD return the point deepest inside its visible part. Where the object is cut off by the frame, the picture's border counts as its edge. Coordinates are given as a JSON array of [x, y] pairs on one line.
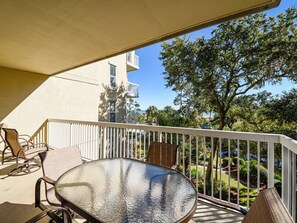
[[151, 114], [171, 117], [284, 107], [248, 113], [133, 111], [241, 55], [263, 112]]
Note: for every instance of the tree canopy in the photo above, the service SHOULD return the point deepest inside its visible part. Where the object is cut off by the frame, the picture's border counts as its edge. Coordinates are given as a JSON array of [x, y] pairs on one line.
[[241, 55]]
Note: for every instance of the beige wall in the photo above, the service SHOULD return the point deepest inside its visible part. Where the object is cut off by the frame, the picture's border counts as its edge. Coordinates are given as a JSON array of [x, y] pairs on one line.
[[28, 99], [118, 94]]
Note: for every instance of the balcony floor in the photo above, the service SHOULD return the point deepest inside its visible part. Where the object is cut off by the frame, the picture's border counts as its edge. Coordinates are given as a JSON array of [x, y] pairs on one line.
[[17, 200]]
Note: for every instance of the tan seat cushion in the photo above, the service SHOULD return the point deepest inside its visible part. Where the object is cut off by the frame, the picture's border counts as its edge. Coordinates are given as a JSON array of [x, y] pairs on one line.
[[31, 153]]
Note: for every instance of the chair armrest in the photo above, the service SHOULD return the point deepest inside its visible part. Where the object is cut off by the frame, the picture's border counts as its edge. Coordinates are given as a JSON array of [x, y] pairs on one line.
[[24, 140], [37, 190], [30, 145], [48, 180], [40, 145], [25, 135]]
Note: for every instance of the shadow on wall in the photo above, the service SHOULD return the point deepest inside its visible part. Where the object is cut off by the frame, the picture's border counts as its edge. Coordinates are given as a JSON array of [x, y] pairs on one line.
[[117, 95], [16, 86]]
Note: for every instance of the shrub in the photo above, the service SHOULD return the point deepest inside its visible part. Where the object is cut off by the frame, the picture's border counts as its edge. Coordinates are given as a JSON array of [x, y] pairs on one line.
[[241, 161], [225, 161], [193, 172]]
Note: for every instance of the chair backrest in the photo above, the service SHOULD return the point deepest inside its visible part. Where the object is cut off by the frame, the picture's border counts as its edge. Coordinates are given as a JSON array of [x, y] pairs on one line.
[[268, 207], [56, 162], [12, 139], [163, 154]]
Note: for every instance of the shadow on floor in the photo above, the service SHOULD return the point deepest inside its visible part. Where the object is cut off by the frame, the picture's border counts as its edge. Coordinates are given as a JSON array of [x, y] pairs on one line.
[[210, 213], [16, 213], [7, 168]]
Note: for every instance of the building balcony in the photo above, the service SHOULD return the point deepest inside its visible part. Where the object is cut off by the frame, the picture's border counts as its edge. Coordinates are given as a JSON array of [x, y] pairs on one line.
[[133, 90], [132, 61], [274, 155]]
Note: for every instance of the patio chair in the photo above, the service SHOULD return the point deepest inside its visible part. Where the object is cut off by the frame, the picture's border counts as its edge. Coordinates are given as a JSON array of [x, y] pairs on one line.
[[54, 163], [163, 154], [2, 140], [23, 139], [27, 151], [49, 211], [268, 208]]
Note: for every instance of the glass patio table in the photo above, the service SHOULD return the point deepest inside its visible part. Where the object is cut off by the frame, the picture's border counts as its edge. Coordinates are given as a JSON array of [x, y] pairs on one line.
[[126, 190]]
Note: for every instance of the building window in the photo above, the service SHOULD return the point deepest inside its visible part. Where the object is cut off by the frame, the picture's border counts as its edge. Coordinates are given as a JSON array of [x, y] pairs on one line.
[[113, 82], [112, 111]]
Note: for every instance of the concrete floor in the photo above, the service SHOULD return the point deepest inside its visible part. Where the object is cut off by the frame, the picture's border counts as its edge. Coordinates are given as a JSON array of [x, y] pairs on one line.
[[17, 200], [17, 195]]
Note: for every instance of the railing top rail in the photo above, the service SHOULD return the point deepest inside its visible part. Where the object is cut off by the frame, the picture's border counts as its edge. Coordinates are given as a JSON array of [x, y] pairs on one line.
[[289, 143], [133, 84], [262, 137]]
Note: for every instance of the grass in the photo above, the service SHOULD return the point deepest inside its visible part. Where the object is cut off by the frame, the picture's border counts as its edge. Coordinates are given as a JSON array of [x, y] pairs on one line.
[[243, 199]]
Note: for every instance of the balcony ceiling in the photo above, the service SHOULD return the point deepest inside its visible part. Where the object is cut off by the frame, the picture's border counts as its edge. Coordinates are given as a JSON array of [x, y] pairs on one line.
[[50, 36]]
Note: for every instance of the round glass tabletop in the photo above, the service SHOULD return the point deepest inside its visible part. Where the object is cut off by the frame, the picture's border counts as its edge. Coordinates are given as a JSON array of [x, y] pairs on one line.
[[125, 190]]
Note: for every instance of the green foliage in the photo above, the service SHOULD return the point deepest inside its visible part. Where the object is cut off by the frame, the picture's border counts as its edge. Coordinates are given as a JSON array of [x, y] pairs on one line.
[[225, 161], [241, 55], [241, 161], [133, 111], [171, 117], [264, 113], [253, 172], [216, 186], [151, 114], [194, 171]]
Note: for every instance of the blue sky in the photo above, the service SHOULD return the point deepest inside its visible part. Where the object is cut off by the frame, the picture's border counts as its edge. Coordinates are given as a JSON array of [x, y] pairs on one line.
[[152, 90]]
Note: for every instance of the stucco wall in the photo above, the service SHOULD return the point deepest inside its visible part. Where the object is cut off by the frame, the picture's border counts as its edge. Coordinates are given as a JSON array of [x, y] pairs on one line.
[[117, 94], [28, 99]]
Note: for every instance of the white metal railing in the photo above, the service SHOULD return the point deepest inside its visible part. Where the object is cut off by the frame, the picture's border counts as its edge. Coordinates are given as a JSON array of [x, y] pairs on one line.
[[243, 162], [133, 90], [133, 59]]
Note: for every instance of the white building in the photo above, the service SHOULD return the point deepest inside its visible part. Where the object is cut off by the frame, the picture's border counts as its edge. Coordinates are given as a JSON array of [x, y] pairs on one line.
[[94, 92]]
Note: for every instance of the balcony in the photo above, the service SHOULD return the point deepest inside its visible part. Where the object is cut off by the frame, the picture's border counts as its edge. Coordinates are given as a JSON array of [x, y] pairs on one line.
[[133, 90], [100, 140], [132, 61]]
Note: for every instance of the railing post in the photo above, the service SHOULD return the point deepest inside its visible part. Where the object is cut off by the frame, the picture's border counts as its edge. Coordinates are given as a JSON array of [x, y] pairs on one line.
[[104, 143], [294, 189], [285, 176], [70, 134], [270, 156], [46, 132], [159, 136]]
